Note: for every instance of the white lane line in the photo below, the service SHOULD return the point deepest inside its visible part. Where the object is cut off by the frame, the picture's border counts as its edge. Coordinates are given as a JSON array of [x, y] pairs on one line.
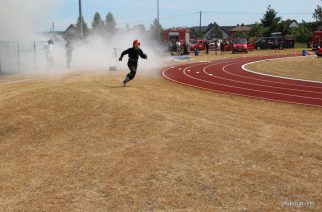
[[256, 90], [267, 86], [289, 78], [236, 94], [283, 83], [270, 81]]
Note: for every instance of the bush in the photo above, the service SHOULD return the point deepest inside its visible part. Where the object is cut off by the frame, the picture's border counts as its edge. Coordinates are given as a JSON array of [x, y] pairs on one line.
[[302, 34]]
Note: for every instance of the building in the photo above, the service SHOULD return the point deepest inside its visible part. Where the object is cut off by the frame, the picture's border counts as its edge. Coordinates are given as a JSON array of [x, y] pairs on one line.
[[212, 31], [293, 24], [72, 33], [240, 31]]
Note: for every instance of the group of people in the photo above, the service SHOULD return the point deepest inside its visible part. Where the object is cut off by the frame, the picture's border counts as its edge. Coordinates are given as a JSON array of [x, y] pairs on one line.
[[217, 46], [186, 46], [49, 53]]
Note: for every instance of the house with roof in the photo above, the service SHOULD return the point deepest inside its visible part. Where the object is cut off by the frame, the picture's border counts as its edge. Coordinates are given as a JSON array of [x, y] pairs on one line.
[[72, 33], [240, 31], [212, 31], [293, 24]]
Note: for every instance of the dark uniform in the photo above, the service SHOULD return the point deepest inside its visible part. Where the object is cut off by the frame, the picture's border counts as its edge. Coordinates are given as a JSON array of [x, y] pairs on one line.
[[134, 54]]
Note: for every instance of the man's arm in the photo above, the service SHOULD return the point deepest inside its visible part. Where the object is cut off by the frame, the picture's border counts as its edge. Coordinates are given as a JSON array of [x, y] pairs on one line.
[[143, 55], [123, 53]]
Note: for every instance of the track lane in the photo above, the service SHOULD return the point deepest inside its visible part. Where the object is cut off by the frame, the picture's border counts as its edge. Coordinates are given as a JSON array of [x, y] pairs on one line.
[[227, 76]]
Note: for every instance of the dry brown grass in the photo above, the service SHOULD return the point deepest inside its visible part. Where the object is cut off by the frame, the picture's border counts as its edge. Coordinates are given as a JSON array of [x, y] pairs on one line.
[[80, 142]]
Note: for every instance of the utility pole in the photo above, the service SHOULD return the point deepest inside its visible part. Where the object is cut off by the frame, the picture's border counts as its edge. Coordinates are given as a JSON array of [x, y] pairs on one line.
[[53, 27], [81, 19], [158, 17], [200, 25]]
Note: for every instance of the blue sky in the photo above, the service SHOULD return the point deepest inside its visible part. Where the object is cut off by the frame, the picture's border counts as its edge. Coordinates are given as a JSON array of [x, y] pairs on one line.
[[181, 12]]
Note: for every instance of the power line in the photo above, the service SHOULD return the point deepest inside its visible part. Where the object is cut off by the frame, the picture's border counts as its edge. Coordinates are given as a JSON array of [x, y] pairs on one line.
[[165, 18], [255, 13], [176, 16], [161, 18]]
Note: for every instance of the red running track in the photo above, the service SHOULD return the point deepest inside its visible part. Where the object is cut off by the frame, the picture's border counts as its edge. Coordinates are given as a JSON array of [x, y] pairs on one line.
[[228, 76]]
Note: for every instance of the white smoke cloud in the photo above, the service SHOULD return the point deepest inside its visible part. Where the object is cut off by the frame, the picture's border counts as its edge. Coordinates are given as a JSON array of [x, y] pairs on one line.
[[18, 17], [99, 52], [18, 30]]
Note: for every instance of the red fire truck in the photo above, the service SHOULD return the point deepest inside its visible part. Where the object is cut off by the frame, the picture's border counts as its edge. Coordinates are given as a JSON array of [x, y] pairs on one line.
[[316, 40], [171, 36]]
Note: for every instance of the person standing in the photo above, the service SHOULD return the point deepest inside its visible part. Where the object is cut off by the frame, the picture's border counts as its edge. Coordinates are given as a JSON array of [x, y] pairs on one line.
[[185, 48], [207, 47], [134, 53], [216, 47], [222, 48], [69, 53], [276, 45], [49, 54], [281, 44], [178, 45]]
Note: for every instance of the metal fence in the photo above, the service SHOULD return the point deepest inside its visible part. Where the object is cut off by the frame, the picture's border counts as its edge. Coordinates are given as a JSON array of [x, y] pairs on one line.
[[21, 56]]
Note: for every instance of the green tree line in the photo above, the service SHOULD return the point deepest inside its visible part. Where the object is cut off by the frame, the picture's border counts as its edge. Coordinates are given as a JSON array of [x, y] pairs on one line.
[[108, 26], [272, 22]]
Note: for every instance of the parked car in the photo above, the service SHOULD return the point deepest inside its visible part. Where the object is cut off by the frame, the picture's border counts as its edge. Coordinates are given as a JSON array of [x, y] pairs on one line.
[[201, 45], [193, 44], [212, 45], [228, 45], [240, 45], [250, 46], [268, 42], [265, 43]]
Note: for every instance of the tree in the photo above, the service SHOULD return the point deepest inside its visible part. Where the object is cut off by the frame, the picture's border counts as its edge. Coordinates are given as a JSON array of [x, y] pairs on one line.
[[98, 23], [270, 17], [140, 28], [110, 23], [258, 30], [302, 34], [317, 15], [154, 29], [85, 27]]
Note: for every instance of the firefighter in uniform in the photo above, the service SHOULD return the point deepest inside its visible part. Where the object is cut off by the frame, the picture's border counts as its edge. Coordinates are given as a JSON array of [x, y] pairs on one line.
[[134, 53]]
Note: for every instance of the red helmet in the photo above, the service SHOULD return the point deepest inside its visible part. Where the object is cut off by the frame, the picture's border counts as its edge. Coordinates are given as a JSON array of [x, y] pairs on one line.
[[136, 42]]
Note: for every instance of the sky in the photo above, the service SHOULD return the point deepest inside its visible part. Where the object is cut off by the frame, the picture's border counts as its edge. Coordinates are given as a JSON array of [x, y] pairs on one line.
[[177, 13]]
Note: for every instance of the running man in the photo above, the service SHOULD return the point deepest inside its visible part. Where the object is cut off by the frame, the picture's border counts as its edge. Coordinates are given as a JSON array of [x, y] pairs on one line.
[[134, 53]]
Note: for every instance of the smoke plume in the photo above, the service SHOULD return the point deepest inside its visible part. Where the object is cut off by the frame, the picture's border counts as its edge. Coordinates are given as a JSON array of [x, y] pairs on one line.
[[22, 44]]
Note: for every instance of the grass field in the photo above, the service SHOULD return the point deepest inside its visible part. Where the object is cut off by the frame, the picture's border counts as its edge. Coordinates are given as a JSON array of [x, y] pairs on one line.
[[80, 142], [307, 68]]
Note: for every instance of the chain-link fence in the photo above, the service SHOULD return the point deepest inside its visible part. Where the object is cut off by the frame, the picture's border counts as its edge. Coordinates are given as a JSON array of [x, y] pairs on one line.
[[20, 56]]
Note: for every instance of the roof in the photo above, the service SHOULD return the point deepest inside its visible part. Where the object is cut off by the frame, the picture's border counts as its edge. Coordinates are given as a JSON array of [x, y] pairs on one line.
[[197, 28], [206, 29], [241, 29], [227, 28], [72, 26]]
